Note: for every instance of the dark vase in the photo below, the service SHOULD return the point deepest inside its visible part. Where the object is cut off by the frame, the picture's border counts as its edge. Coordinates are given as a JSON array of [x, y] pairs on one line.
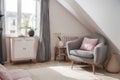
[[31, 33]]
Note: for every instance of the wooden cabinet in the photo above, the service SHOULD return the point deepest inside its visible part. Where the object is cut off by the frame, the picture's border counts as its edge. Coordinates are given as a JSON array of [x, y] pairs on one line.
[[23, 48]]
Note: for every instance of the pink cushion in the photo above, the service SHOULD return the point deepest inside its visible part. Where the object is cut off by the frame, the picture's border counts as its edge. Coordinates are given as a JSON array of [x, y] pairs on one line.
[[18, 73], [88, 44]]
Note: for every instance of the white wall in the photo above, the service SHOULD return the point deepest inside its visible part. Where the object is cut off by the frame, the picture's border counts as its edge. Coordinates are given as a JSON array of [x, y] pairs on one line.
[[106, 14], [62, 21]]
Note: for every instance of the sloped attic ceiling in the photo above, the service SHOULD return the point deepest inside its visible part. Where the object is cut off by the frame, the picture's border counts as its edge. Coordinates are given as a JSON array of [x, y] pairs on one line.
[[100, 16], [106, 14]]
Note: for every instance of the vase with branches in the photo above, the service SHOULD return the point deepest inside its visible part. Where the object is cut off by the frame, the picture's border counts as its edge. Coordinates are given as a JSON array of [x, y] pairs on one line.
[[59, 37]]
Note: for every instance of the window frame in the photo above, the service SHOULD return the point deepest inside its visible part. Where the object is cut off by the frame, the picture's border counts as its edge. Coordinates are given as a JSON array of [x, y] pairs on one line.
[[19, 16]]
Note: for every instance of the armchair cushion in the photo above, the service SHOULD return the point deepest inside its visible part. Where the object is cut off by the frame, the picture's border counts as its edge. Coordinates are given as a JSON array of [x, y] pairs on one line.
[[88, 44], [82, 53]]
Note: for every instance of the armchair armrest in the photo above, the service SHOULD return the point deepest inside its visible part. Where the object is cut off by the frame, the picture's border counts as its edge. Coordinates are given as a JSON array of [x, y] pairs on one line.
[[71, 45], [100, 54]]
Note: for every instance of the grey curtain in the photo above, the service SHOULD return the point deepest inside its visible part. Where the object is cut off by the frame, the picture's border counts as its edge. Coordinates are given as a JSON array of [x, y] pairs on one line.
[[2, 26], [44, 53]]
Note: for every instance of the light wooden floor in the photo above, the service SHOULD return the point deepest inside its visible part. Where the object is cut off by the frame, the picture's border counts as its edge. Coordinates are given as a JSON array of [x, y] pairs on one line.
[[99, 72]]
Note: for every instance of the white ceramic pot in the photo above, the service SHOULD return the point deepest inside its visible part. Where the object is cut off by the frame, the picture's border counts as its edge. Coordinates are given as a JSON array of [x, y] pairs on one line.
[[60, 43]]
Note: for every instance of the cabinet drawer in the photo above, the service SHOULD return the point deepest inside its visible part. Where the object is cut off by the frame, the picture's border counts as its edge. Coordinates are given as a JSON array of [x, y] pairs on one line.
[[29, 39], [18, 39]]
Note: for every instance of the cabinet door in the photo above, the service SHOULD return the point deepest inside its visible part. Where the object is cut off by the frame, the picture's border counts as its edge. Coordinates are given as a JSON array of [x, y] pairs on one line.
[[30, 47], [18, 48]]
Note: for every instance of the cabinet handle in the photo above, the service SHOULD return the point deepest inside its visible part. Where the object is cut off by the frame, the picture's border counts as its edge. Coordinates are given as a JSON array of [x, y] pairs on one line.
[[18, 40], [24, 48], [29, 39]]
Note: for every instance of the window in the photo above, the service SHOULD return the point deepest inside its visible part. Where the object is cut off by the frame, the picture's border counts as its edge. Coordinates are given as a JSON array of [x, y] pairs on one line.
[[20, 16], [13, 22]]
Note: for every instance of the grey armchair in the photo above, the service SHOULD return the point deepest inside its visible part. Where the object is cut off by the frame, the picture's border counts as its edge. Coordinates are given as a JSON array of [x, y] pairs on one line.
[[96, 57]]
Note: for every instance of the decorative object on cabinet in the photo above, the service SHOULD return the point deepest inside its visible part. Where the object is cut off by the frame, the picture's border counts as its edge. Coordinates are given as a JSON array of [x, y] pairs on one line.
[[23, 48], [31, 33]]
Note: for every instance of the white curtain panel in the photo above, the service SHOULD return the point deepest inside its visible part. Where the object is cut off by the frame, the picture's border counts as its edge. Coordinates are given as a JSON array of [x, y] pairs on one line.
[[38, 16]]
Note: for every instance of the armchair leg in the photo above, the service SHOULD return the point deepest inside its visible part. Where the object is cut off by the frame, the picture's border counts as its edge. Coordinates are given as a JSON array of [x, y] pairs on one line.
[[93, 68], [72, 63]]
